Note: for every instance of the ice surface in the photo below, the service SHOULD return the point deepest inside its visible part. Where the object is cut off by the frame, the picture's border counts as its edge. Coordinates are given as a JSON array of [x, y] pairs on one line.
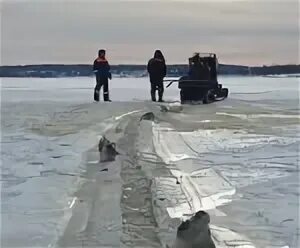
[[247, 145]]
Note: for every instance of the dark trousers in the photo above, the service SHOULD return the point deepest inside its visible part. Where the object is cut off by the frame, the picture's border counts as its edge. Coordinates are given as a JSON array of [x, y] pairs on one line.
[[159, 86], [101, 82]]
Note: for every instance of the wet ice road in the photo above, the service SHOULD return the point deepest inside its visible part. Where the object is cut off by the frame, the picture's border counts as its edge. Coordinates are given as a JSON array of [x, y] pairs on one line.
[[48, 123]]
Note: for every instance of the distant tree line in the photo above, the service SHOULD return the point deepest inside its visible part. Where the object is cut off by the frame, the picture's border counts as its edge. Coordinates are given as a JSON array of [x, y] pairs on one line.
[[275, 69], [82, 70]]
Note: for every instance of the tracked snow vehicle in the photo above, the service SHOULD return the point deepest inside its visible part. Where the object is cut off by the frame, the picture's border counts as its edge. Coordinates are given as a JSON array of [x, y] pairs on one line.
[[201, 84]]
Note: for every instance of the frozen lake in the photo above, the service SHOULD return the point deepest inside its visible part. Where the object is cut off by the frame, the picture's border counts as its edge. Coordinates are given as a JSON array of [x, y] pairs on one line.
[[262, 89], [48, 127]]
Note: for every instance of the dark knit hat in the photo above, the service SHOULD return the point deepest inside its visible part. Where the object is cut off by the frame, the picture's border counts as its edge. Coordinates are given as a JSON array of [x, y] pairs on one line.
[[101, 51]]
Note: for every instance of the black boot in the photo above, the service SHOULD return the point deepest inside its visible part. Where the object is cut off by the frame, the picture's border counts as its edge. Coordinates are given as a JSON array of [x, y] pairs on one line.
[[160, 97], [96, 95], [153, 97], [106, 97], [160, 92], [106, 91]]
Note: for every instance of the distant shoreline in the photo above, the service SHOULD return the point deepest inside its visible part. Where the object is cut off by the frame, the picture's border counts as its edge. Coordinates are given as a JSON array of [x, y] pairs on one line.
[[175, 70]]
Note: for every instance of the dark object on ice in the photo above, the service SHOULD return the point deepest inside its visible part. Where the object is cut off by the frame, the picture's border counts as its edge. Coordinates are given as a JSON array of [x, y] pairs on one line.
[[36, 163], [148, 116], [179, 181], [105, 169], [101, 68], [157, 70], [107, 150], [195, 232], [201, 84], [57, 156]]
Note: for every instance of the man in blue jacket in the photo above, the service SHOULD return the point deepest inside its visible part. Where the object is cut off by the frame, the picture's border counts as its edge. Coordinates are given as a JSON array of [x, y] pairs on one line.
[[102, 70]]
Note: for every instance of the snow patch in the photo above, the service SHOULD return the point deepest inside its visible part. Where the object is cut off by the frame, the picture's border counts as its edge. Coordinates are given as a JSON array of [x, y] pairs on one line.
[[126, 114], [169, 145]]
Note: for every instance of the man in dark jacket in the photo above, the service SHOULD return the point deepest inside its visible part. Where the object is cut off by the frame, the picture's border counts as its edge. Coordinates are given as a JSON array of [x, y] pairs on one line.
[[157, 70], [102, 70]]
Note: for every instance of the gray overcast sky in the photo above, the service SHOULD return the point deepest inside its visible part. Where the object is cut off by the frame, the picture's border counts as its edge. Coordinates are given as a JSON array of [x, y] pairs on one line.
[[251, 32]]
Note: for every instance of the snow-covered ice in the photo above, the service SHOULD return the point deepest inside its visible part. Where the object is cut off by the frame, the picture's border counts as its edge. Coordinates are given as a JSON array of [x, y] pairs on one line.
[[236, 159]]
